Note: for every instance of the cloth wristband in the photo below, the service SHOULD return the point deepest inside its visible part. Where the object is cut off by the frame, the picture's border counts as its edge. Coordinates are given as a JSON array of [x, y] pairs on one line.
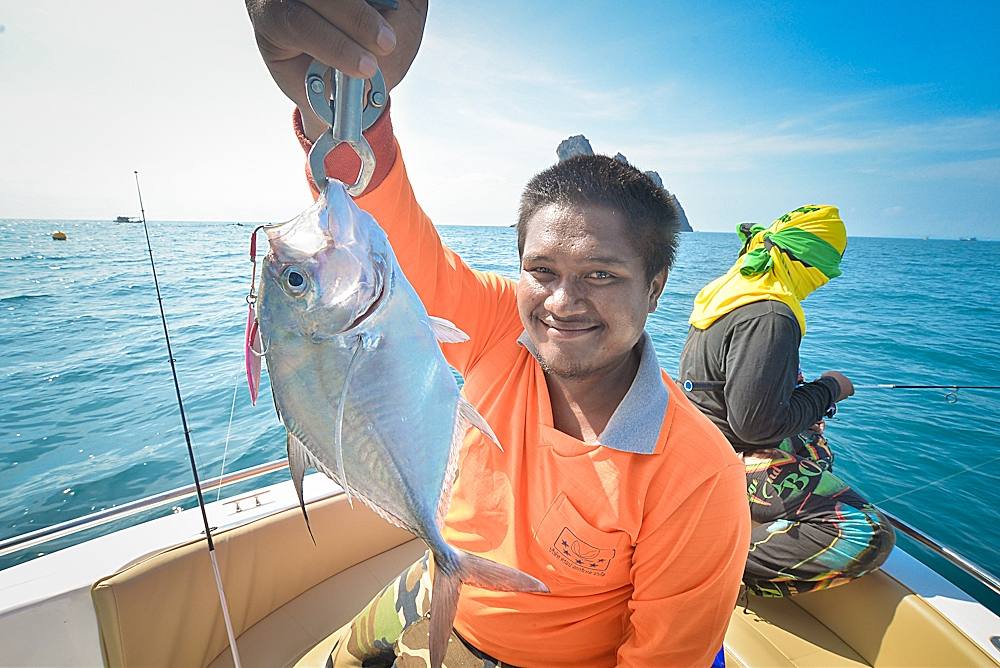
[[343, 163]]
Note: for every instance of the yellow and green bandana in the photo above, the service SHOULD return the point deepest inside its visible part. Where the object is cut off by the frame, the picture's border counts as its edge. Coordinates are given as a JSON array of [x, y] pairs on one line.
[[785, 262]]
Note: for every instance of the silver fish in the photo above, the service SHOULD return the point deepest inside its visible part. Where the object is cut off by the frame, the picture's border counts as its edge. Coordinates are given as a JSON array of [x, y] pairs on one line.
[[363, 390]]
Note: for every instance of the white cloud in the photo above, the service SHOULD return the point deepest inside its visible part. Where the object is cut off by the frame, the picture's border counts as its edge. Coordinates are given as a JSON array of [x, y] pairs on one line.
[[479, 113]]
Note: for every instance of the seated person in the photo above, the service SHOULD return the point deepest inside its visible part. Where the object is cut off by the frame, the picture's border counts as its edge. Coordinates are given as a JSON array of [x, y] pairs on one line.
[[612, 488], [815, 531]]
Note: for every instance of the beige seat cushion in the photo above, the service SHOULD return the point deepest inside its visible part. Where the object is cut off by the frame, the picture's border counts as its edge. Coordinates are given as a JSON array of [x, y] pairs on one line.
[[289, 597], [873, 621], [164, 611], [776, 632], [303, 632]]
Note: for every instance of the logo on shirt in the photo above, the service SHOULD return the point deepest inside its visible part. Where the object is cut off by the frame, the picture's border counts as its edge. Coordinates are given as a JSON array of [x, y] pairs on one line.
[[580, 555]]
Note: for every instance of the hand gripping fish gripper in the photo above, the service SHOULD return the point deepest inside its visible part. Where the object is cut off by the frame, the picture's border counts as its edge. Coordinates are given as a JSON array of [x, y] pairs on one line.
[[341, 101]]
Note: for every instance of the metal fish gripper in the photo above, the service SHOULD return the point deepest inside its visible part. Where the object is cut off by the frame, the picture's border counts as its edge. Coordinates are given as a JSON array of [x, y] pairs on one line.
[[341, 101]]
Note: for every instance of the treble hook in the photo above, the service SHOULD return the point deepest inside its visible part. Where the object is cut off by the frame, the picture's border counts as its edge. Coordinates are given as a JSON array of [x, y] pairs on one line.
[[348, 112]]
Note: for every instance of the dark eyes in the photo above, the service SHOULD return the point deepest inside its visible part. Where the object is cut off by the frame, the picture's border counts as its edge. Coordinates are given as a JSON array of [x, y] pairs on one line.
[[595, 275], [294, 280]]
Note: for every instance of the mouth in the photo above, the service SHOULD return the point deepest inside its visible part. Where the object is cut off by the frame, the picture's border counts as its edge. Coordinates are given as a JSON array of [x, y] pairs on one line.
[[376, 302], [568, 330]]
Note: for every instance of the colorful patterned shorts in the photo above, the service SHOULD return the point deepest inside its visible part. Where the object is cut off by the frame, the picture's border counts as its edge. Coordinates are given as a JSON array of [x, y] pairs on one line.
[[815, 532]]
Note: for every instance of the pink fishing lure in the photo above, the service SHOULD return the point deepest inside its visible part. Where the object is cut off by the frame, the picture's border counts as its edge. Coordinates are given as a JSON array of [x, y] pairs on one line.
[[252, 354], [252, 350]]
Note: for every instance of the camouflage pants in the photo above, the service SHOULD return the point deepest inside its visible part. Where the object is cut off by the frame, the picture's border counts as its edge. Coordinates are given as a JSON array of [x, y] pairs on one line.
[[815, 531], [392, 630]]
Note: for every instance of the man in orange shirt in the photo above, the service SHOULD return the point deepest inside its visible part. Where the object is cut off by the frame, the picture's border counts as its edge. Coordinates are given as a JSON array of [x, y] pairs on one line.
[[612, 488]]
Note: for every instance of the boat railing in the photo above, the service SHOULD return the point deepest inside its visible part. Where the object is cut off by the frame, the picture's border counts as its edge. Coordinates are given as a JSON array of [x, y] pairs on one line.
[[981, 575], [73, 526], [70, 527]]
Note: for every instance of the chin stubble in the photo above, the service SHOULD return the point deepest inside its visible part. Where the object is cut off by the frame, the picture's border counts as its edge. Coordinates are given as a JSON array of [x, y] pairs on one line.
[[574, 372]]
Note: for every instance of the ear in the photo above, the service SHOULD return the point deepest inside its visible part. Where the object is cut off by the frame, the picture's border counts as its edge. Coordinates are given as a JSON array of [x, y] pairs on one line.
[[656, 289]]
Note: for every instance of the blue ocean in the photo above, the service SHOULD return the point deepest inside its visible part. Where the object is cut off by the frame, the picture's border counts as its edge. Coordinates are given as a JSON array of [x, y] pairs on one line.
[[89, 419]]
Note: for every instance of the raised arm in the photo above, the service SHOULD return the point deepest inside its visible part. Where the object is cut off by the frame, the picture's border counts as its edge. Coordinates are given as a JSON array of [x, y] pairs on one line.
[[344, 35]]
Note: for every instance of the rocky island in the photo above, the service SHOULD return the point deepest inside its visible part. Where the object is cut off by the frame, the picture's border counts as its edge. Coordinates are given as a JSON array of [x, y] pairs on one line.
[[580, 145]]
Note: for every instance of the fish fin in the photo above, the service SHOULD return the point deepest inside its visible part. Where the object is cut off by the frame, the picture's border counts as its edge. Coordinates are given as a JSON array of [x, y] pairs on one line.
[[274, 397], [298, 460], [383, 513], [468, 414], [457, 436], [485, 574], [445, 331], [338, 431]]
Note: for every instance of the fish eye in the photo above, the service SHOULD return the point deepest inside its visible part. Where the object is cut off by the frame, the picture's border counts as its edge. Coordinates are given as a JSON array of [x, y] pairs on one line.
[[294, 280]]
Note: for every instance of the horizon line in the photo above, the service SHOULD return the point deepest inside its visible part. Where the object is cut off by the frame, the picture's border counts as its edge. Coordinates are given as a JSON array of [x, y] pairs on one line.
[[249, 223]]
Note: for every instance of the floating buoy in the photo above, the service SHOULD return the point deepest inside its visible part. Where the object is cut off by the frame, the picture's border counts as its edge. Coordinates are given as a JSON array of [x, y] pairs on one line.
[[59, 235]]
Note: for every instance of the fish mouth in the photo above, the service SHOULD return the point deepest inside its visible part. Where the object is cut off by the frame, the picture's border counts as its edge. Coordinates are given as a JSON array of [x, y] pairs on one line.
[[381, 292]]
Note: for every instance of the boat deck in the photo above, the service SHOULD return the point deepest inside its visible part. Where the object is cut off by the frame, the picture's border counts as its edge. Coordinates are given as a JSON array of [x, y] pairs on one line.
[[145, 596]]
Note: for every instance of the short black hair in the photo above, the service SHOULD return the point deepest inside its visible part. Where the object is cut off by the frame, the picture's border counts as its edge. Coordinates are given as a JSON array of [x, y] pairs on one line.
[[596, 180]]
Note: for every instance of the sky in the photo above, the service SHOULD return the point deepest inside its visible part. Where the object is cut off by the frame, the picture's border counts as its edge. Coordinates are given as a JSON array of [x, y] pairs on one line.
[[889, 110]]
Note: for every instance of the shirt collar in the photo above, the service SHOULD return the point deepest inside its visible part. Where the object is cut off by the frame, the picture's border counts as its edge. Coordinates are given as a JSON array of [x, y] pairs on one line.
[[635, 425]]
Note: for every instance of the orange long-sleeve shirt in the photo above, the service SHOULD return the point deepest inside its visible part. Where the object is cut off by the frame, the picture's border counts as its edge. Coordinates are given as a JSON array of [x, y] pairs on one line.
[[641, 540]]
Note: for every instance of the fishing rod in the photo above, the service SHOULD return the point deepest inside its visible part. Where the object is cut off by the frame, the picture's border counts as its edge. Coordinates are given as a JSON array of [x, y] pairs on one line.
[[187, 438], [893, 386], [950, 397]]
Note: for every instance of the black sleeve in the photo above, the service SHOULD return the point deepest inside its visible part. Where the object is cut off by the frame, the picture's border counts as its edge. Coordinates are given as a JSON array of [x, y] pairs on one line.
[[762, 361]]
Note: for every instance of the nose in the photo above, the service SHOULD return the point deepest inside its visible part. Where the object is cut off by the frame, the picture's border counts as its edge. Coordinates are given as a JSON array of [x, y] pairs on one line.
[[565, 299]]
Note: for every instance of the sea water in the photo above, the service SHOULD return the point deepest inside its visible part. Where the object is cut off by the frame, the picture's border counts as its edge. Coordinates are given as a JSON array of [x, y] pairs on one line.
[[89, 418]]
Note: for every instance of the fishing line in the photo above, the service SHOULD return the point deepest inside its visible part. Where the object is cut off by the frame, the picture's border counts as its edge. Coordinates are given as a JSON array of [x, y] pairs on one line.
[[893, 386], [229, 429], [187, 439], [939, 480]]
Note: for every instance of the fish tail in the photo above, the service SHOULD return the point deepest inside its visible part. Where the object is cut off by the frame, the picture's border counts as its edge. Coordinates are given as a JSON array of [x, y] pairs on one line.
[[444, 604], [450, 573], [485, 574]]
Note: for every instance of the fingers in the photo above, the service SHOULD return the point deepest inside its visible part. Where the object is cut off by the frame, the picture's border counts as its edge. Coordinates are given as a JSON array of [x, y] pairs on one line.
[[359, 21], [843, 382], [345, 35], [846, 386]]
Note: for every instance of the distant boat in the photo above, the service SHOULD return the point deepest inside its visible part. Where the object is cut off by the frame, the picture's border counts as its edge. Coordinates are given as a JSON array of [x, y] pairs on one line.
[[59, 235], [966, 238], [126, 219]]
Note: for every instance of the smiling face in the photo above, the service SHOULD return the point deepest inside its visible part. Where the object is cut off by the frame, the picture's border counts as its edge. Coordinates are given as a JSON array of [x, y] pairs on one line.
[[583, 293]]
